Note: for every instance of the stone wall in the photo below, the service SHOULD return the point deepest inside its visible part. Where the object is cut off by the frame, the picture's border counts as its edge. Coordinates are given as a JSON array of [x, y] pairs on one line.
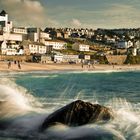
[[16, 57], [116, 59]]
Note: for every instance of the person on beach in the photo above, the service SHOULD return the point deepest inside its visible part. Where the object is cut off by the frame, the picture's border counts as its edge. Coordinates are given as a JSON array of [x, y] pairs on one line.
[[92, 64], [82, 65], [9, 64], [19, 66], [113, 66], [89, 64]]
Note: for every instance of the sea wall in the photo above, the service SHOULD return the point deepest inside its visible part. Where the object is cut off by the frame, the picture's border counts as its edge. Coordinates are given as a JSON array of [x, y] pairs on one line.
[[16, 57], [116, 59]]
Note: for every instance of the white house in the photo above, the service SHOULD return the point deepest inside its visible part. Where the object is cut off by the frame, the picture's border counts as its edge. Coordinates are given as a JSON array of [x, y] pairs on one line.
[[56, 44], [10, 43], [137, 44], [9, 48], [11, 51], [4, 23], [80, 47], [43, 36], [19, 30], [134, 52], [4, 47], [31, 47], [10, 33], [74, 58], [58, 58], [3, 18]]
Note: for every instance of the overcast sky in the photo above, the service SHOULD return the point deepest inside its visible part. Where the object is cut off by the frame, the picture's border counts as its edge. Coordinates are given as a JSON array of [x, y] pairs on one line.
[[74, 13]]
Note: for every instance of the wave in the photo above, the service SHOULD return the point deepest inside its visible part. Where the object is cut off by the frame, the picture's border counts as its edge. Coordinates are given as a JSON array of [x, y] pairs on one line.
[[44, 76], [29, 113], [15, 100], [88, 132], [10, 74], [125, 126], [127, 118]]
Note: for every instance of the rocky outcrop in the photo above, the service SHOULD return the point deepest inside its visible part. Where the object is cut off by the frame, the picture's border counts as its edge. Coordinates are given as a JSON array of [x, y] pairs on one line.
[[78, 113]]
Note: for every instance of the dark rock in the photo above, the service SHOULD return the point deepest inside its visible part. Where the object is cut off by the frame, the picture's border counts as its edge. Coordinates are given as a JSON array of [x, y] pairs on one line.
[[78, 113]]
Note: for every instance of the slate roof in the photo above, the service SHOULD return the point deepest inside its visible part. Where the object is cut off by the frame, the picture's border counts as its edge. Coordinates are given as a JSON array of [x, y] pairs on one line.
[[3, 13]]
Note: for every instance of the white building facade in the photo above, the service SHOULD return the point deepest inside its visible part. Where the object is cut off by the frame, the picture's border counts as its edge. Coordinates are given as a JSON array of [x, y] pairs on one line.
[[71, 58], [33, 47], [56, 45], [80, 47], [10, 48]]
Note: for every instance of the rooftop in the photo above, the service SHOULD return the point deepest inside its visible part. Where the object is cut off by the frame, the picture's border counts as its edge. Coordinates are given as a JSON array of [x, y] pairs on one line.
[[3, 13], [55, 41], [27, 42]]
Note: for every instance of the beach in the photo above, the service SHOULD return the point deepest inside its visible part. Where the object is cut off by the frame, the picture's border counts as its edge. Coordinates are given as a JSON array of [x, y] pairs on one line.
[[66, 67]]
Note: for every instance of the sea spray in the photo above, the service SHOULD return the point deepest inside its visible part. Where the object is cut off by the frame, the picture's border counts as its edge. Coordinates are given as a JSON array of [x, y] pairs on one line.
[[127, 118], [15, 100], [53, 93], [87, 132]]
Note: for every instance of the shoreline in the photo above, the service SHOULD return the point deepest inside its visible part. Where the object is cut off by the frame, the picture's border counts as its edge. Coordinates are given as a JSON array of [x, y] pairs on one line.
[[49, 67]]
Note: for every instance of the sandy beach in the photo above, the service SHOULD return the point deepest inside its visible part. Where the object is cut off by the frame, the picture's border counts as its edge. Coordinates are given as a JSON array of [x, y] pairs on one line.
[[68, 67]]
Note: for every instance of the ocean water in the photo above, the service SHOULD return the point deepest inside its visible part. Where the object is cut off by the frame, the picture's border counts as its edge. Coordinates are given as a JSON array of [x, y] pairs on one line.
[[26, 99]]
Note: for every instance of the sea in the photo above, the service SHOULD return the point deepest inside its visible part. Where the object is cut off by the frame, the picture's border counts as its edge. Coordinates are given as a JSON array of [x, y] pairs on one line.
[[27, 98]]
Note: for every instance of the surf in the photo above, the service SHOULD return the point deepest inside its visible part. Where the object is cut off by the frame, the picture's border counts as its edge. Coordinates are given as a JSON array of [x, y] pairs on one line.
[[15, 100], [23, 109]]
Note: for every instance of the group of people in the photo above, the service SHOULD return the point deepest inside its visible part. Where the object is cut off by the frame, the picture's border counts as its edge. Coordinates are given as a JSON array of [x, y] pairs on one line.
[[89, 64], [15, 62]]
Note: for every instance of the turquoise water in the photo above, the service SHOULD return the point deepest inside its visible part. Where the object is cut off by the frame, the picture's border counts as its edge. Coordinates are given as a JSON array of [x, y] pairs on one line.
[[88, 86], [32, 96]]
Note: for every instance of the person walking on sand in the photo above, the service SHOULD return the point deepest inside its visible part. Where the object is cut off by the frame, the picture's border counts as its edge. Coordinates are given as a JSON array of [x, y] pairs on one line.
[[15, 62], [89, 64], [82, 65], [9, 64], [19, 66], [92, 63]]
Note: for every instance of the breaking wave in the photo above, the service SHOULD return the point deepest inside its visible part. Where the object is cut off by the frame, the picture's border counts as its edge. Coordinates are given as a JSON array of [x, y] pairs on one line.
[[15, 100], [21, 114]]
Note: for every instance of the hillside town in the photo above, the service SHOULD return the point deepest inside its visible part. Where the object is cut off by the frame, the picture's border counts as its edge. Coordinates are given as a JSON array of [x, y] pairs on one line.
[[68, 45]]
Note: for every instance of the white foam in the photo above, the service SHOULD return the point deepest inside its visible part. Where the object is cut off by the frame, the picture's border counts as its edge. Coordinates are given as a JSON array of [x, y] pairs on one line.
[[15, 100]]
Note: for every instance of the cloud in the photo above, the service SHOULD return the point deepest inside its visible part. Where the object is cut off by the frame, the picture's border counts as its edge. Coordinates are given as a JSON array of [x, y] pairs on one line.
[[25, 12], [122, 15], [113, 16], [109, 15], [76, 23]]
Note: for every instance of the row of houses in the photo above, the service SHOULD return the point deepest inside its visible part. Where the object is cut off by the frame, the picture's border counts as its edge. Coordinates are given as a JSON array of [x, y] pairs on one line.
[[22, 40], [28, 47], [69, 32], [58, 58]]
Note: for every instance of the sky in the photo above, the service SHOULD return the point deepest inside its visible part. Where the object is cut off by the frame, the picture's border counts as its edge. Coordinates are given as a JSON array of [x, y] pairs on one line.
[[73, 13]]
